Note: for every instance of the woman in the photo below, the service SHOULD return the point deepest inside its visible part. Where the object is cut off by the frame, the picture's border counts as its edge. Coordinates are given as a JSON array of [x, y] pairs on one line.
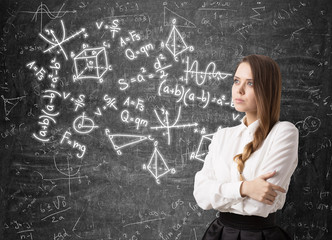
[[247, 171]]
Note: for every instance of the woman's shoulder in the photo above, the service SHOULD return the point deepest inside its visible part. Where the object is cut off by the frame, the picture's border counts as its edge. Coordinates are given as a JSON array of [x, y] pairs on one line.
[[285, 127]]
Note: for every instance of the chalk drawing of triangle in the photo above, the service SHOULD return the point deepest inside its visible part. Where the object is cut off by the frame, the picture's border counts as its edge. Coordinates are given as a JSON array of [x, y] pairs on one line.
[[180, 44], [157, 165], [10, 103], [122, 140], [169, 15], [175, 42]]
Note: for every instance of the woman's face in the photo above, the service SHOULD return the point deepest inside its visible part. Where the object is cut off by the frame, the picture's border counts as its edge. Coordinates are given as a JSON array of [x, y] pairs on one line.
[[243, 94]]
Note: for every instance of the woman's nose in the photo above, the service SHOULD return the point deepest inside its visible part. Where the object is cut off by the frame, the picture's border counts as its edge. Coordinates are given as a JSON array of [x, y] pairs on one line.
[[241, 90]]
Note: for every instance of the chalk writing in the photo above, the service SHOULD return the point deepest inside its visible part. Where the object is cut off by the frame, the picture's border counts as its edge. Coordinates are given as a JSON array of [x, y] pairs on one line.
[[24, 229], [133, 37], [113, 28], [165, 124], [201, 77], [122, 100], [79, 102], [180, 20], [157, 166], [9, 104], [308, 125], [91, 63], [185, 94], [160, 67], [145, 49], [140, 78], [43, 9], [83, 124], [120, 141], [74, 144], [202, 149], [175, 44], [138, 104], [55, 42], [126, 117]]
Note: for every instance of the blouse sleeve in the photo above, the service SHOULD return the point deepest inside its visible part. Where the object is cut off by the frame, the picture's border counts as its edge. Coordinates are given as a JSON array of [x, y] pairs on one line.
[[210, 192], [283, 158]]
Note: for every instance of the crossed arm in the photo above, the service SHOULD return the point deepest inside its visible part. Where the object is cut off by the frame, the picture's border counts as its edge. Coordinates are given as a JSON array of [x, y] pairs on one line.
[[262, 192]]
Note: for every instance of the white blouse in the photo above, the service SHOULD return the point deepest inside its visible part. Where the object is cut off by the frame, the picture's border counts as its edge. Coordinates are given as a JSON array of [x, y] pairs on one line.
[[217, 184]]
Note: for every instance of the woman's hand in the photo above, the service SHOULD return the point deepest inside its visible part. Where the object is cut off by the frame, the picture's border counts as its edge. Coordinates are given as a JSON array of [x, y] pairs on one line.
[[261, 190]]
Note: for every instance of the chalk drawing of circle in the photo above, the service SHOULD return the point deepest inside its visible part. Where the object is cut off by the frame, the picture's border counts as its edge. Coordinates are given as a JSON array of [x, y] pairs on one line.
[[83, 124], [303, 130], [312, 123]]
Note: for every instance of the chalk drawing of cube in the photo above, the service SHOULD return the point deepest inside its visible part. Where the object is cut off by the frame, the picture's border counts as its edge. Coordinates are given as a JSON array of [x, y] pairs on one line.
[[91, 63]]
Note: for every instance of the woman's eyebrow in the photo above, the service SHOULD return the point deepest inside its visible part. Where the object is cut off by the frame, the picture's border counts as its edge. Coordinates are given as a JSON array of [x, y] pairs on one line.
[[248, 79]]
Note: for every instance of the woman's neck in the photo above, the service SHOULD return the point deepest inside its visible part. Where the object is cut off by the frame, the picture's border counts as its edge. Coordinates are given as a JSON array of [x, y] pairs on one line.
[[250, 119]]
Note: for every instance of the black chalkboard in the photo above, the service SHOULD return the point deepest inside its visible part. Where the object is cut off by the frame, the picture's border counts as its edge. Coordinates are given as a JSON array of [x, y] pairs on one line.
[[107, 109]]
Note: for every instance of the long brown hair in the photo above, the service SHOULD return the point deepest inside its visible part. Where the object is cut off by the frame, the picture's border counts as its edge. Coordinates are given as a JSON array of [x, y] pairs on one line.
[[267, 89]]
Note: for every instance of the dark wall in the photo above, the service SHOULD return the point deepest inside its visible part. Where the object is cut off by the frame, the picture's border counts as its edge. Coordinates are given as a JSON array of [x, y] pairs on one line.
[[107, 109]]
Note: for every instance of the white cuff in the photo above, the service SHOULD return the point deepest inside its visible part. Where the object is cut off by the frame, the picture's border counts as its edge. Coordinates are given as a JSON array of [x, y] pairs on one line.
[[231, 190]]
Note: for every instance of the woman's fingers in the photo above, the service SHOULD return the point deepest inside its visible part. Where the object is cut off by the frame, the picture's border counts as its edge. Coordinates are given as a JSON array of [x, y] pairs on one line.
[[267, 175], [278, 188], [269, 198], [262, 190], [275, 187], [267, 201], [272, 194]]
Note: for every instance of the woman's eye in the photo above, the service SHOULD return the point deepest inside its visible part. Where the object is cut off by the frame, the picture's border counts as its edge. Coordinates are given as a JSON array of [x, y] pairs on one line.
[[236, 81], [250, 84]]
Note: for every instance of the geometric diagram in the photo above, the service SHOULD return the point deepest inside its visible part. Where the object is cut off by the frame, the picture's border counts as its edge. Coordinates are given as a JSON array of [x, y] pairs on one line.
[[309, 125], [55, 41], [12, 102], [71, 174], [171, 15], [202, 149], [91, 63], [43, 9], [175, 43], [193, 71], [257, 13], [157, 165], [120, 141], [165, 123], [82, 126]]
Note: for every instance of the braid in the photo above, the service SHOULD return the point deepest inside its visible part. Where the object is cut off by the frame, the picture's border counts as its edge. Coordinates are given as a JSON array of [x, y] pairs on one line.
[[249, 148]]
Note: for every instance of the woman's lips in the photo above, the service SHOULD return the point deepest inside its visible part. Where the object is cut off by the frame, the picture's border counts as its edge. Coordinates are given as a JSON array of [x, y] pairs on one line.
[[237, 100]]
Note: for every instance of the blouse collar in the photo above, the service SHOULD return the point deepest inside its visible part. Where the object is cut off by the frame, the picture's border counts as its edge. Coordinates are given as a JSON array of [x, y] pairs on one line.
[[251, 128]]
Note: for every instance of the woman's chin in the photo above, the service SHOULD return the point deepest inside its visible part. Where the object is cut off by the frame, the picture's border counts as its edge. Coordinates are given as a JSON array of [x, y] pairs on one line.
[[239, 109]]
